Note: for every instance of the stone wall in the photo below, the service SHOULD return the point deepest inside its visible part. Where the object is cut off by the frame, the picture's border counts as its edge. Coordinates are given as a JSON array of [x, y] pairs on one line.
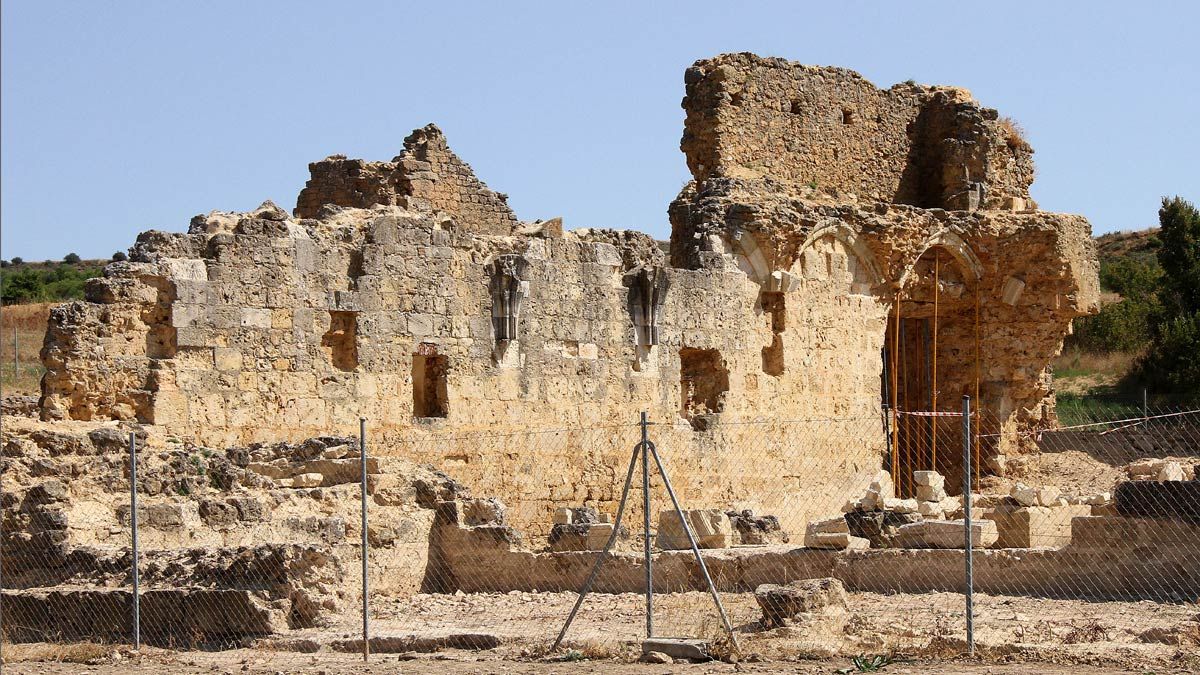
[[406, 293], [832, 130], [427, 174]]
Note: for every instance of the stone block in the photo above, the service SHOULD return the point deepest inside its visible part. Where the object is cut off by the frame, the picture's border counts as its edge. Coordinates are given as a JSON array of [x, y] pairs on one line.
[[930, 509], [1048, 495], [808, 596], [1035, 527], [929, 478], [677, 648], [945, 534], [900, 505], [562, 516], [1169, 471], [835, 541], [307, 480], [711, 527], [226, 358], [930, 493], [255, 317], [1024, 495]]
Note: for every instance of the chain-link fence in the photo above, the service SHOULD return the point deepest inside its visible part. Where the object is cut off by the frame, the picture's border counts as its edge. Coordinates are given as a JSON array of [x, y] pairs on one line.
[[776, 538]]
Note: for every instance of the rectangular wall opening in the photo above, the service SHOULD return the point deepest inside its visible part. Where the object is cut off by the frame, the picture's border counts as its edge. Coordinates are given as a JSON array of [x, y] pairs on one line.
[[430, 395], [341, 340], [704, 379]]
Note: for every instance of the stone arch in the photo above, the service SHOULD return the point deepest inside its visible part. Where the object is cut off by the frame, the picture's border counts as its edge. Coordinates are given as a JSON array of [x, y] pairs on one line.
[[854, 243], [750, 258], [953, 244]]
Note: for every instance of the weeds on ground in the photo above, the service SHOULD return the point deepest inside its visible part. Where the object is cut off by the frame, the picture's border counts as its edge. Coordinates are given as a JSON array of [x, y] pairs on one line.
[[867, 664]]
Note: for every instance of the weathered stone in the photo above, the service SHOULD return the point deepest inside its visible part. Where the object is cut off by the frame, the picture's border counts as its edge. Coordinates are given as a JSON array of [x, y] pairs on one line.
[[930, 493], [711, 527], [779, 603], [945, 534], [1024, 495]]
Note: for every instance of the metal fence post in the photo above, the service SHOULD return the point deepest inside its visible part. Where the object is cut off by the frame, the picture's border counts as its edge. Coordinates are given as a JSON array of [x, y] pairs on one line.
[[362, 455], [970, 572], [133, 524], [646, 528]]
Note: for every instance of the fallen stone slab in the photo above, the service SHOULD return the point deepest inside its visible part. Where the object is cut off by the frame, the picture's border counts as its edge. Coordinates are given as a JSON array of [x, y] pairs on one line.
[[677, 648], [945, 534], [399, 644], [799, 597]]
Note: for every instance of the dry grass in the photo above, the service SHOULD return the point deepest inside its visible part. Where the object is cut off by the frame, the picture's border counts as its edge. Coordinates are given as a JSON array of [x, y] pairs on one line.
[[1080, 373], [76, 652], [29, 323], [1014, 134]]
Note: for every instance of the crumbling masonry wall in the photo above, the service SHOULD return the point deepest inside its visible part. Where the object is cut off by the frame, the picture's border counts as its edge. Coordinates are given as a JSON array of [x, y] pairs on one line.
[[238, 330]]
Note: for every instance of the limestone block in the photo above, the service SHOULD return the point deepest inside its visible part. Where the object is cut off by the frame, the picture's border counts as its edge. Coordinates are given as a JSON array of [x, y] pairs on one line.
[[780, 603], [1048, 496], [1142, 469], [227, 358], [836, 525], [1024, 495], [255, 317], [562, 516], [900, 505], [929, 478], [1169, 471], [1035, 527], [930, 509], [307, 480], [1097, 499], [882, 485], [186, 269], [930, 493], [711, 528], [945, 534]]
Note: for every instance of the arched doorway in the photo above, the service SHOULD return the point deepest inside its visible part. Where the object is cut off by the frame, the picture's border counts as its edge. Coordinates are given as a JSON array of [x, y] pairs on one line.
[[932, 360]]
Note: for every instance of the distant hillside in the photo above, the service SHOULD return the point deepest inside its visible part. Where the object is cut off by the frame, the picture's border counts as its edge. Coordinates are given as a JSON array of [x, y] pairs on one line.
[[29, 282], [1139, 246]]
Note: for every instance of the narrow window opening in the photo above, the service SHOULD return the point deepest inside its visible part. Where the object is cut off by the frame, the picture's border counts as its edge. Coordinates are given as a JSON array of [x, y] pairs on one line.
[[772, 355], [341, 340], [703, 383], [430, 397]]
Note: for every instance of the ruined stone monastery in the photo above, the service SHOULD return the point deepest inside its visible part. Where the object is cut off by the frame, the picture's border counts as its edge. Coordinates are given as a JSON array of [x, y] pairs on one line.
[[839, 248]]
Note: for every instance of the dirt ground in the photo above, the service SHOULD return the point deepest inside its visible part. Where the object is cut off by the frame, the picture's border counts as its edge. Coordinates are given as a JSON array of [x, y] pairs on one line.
[[467, 664], [923, 633]]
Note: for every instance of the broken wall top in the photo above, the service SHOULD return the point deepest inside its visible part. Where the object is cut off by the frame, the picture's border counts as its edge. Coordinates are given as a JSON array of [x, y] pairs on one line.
[[425, 175], [830, 129]]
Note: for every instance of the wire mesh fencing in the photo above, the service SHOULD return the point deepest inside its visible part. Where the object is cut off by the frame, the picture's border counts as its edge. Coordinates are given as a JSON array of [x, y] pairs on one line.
[[781, 538]]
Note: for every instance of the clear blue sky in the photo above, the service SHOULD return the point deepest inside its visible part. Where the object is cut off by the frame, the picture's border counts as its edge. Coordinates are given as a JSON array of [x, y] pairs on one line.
[[120, 117]]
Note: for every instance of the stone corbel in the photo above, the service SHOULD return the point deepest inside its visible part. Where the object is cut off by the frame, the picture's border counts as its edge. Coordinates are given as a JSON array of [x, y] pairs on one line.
[[781, 282], [647, 294], [509, 286]]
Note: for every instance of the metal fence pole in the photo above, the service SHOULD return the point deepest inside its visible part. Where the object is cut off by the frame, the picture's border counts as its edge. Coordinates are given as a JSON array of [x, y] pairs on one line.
[[362, 455], [133, 524], [16, 352], [1145, 407], [646, 528], [970, 571]]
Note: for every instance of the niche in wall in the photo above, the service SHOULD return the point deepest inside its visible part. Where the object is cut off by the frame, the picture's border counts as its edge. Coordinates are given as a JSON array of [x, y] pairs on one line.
[[341, 340], [430, 395], [704, 379]]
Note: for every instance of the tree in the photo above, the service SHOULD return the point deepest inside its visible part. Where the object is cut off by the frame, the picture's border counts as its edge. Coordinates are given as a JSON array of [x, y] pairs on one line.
[[1173, 361], [18, 260], [71, 258], [119, 256], [1180, 256]]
